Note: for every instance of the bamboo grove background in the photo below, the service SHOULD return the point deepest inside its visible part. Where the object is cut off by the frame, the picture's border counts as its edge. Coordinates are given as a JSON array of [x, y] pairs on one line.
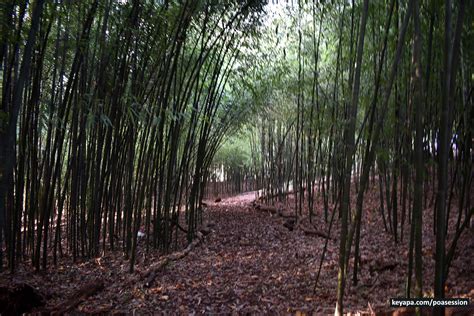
[[115, 115], [111, 112], [363, 99]]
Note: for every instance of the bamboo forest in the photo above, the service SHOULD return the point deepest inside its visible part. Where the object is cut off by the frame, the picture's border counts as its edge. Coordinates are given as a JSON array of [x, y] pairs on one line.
[[236, 157]]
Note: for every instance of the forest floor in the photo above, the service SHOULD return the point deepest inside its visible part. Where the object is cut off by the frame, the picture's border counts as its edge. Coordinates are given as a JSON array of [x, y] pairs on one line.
[[251, 263]]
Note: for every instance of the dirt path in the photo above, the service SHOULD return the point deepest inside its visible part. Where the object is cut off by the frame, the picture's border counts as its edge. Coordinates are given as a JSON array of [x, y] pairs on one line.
[[251, 263]]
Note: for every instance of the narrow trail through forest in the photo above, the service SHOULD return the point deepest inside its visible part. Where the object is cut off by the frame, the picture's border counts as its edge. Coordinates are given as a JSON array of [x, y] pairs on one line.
[[117, 117], [249, 263]]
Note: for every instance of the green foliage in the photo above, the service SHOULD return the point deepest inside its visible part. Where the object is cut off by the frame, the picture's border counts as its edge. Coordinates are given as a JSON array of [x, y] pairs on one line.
[[234, 153]]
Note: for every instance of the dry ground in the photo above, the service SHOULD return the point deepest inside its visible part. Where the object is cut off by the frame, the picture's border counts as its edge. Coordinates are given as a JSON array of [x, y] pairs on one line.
[[251, 263]]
